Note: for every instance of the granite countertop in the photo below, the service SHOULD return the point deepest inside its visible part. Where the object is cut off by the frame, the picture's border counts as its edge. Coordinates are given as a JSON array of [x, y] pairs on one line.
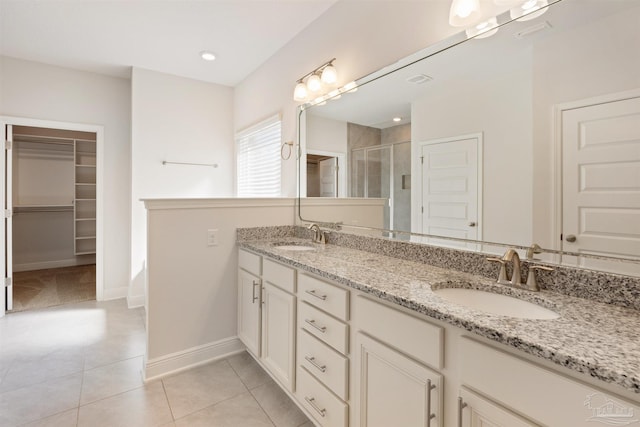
[[598, 339]]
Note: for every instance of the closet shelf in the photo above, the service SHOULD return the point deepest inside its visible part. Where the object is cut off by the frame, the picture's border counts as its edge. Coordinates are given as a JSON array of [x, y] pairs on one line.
[[42, 208], [85, 166], [85, 219], [84, 200], [85, 253], [85, 183], [85, 237]]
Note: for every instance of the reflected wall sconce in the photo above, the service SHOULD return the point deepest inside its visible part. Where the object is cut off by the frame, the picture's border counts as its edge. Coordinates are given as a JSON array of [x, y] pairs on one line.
[[313, 82], [464, 12]]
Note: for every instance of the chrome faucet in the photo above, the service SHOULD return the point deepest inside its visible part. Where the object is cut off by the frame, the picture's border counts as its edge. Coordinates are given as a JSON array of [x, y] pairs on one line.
[[318, 235]]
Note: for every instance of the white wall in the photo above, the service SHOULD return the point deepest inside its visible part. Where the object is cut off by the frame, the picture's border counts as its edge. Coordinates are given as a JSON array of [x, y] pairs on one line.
[[500, 108], [180, 120], [604, 59], [39, 91], [326, 134], [363, 36]]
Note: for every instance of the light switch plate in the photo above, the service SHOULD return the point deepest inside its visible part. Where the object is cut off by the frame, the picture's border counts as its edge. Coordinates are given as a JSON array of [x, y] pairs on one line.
[[212, 237]]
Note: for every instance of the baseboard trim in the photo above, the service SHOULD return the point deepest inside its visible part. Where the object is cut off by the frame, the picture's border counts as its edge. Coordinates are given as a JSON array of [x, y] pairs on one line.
[[114, 293], [160, 367], [135, 301], [43, 265]]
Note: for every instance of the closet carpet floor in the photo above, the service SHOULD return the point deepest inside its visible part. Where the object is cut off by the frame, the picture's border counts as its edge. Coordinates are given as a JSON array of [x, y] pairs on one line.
[[55, 286]]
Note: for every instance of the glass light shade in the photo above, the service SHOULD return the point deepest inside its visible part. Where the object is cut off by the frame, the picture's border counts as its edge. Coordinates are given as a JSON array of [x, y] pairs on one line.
[[300, 92], [350, 87], [529, 9], [464, 12], [483, 29], [313, 83], [507, 2], [329, 75], [334, 94]]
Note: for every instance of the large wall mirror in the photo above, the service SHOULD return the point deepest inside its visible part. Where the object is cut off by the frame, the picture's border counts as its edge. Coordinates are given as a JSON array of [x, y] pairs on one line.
[[531, 134]]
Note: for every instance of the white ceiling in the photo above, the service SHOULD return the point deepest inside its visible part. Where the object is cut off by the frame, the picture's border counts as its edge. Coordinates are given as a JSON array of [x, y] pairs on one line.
[[109, 37]]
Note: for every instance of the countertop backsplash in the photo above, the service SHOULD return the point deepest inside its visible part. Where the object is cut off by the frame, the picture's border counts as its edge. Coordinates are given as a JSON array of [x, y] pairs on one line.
[[608, 288]]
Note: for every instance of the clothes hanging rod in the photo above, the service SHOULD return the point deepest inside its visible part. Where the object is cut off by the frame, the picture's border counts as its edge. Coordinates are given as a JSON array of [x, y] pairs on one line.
[[212, 165], [50, 138]]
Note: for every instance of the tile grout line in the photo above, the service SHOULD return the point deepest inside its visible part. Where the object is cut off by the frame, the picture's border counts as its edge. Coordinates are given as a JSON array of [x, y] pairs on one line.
[[166, 397]]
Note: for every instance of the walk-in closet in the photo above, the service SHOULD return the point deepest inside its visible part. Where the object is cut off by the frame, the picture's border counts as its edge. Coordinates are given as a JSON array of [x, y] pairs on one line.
[[51, 234]]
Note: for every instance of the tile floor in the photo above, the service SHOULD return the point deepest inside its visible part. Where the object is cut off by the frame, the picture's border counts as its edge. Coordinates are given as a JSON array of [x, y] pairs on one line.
[[80, 365]]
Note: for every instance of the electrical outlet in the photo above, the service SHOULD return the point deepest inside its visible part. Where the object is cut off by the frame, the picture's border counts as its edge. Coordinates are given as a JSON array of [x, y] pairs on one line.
[[212, 237]]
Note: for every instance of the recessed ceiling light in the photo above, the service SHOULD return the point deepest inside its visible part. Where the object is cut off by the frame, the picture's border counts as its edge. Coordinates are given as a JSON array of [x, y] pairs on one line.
[[397, 119], [207, 56]]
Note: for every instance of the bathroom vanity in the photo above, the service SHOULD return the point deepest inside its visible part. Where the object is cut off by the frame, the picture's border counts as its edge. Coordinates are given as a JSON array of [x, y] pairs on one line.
[[361, 339]]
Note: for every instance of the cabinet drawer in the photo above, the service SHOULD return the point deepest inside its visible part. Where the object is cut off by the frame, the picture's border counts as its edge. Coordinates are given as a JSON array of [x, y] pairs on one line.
[[249, 262], [548, 397], [323, 327], [327, 297], [400, 330], [279, 275], [328, 366], [325, 408]]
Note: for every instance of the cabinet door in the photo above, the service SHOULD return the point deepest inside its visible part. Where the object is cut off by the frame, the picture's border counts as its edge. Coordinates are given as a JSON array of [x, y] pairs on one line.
[[394, 390], [477, 411], [278, 329], [249, 311]]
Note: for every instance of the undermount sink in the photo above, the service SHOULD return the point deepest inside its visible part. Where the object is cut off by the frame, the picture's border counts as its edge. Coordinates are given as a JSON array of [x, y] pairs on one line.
[[289, 247], [492, 303]]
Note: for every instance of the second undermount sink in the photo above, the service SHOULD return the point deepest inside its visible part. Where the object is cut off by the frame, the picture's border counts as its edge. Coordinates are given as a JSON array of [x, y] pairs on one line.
[[493, 303]]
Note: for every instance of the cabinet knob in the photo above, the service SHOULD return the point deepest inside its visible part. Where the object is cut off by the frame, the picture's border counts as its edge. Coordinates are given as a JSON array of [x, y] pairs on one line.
[[570, 238]]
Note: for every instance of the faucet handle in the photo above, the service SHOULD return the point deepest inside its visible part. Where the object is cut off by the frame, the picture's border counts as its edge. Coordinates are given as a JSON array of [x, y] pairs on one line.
[[502, 276], [532, 282]]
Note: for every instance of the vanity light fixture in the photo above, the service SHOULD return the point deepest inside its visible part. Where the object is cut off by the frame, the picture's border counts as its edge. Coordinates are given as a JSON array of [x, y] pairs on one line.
[[528, 10], [483, 29], [464, 12], [314, 81], [207, 56], [524, 10]]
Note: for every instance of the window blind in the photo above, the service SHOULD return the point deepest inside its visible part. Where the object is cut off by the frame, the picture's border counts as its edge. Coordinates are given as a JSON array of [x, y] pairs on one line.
[[258, 159]]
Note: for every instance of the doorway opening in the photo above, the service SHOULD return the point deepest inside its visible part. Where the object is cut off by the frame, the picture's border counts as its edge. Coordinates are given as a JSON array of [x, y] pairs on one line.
[[51, 228]]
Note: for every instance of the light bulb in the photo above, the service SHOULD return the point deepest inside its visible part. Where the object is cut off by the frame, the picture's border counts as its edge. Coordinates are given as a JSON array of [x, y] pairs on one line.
[[463, 12], [207, 56], [528, 10], [329, 75], [313, 83], [483, 29], [300, 92]]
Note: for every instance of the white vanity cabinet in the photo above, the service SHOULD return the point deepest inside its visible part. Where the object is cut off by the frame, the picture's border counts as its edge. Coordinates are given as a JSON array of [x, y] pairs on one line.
[[394, 385], [323, 348], [279, 321], [542, 396], [249, 300], [477, 411], [267, 314]]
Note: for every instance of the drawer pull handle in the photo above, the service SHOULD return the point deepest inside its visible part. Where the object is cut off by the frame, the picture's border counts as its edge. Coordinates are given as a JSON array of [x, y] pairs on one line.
[[255, 284], [312, 323], [312, 401], [312, 360], [461, 406], [312, 292], [430, 415]]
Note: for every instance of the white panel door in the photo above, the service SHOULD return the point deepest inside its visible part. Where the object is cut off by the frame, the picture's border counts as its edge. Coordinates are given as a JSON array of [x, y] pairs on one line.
[[393, 389], [8, 222], [328, 177], [450, 189], [601, 182]]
